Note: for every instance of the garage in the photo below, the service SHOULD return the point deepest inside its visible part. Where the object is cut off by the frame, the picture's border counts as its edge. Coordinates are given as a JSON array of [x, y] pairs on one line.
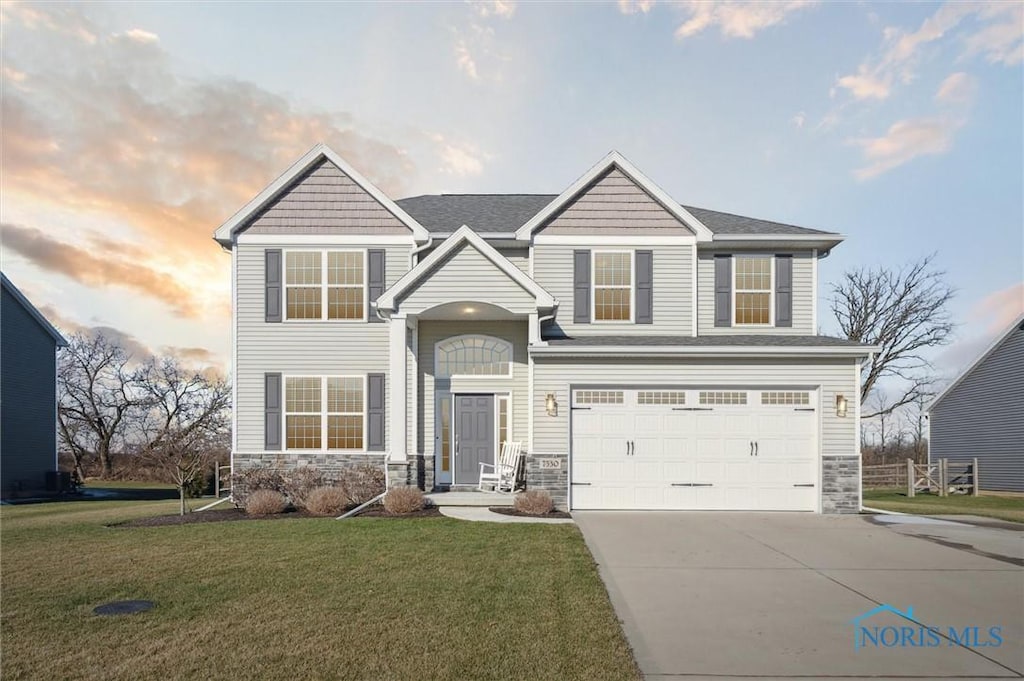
[[704, 448]]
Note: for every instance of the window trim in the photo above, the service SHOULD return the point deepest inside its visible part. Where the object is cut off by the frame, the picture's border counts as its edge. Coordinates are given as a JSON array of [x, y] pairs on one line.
[[324, 413], [771, 290], [473, 377], [324, 286], [593, 285]]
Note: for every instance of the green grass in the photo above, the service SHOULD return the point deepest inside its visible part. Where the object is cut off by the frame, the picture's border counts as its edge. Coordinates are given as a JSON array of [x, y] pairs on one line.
[[300, 598], [990, 506]]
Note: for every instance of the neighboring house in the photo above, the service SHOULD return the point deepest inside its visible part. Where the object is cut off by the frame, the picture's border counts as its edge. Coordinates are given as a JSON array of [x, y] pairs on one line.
[[981, 414], [647, 355], [28, 394]]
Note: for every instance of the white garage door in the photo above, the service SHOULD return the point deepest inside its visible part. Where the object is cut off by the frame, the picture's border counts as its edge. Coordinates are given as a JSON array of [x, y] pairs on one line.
[[711, 449]]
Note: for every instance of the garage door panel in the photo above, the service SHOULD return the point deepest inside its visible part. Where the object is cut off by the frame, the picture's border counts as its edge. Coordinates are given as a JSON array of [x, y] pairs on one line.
[[640, 454]]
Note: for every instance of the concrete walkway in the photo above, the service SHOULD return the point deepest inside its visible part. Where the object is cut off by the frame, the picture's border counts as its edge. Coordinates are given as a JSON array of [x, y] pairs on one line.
[[477, 513], [762, 595]]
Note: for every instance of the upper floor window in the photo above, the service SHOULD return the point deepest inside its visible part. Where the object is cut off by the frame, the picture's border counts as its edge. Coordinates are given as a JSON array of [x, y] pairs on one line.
[[613, 286], [753, 289], [473, 356], [325, 285]]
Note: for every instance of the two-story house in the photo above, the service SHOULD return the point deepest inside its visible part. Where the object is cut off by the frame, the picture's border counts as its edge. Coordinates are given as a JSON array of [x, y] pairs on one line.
[[648, 355]]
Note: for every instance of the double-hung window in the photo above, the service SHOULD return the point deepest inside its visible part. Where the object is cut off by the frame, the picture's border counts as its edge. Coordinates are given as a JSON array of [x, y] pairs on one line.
[[325, 285], [321, 410], [752, 289], [613, 286]]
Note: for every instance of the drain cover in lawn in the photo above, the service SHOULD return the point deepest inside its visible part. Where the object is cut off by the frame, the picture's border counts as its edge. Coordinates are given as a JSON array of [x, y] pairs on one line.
[[123, 607]]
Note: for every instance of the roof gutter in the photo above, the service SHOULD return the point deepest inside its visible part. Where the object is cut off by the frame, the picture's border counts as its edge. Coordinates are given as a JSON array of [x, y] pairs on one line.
[[704, 351]]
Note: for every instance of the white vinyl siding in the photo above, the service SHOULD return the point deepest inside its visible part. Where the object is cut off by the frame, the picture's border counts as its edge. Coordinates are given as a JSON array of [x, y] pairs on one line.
[[467, 275], [310, 348], [803, 300], [556, 375], [673, 290]]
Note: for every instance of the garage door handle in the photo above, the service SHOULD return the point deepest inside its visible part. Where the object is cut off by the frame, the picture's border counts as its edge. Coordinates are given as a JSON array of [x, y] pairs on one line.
[[751, 448], [582, 484], [804, 484], [804, 409], [757, 446]]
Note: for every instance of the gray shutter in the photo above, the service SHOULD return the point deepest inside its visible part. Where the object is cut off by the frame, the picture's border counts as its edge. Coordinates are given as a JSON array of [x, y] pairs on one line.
[[272, 412], [581, 287], [272, 283], [723, 290], [784, 290], [375, 412], [374, 282], [645, 287]]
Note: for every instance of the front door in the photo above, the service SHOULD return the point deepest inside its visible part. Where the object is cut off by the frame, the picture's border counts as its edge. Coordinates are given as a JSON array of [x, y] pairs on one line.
[[474, 436]]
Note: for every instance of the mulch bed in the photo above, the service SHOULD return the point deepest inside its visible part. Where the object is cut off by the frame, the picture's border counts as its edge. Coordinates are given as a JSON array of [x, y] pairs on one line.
[[234, 514], [508, 510]]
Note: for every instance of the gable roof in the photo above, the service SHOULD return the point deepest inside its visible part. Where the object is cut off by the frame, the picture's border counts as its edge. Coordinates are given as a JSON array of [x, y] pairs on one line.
[[9, 286], [464, 235], [225, 233], [1017, 325], [614, 160]]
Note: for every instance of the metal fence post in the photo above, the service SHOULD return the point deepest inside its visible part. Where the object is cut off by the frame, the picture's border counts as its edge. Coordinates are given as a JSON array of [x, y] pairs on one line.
[[910, 477]]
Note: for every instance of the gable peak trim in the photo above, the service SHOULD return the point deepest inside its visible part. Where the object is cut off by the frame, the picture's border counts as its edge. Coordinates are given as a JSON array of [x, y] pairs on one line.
[[1017, 325]]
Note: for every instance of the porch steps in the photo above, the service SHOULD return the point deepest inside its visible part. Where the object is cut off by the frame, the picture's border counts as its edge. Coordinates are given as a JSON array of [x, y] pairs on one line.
[[469, 498]]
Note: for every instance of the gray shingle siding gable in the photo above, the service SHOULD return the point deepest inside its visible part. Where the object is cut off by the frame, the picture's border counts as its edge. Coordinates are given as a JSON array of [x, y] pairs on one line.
[[28, 420], [983, 416]]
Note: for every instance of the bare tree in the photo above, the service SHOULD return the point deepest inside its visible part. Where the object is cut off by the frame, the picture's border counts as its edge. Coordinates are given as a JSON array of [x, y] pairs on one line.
[[97, 399], [186, 425], [904, 313], [916, 415]]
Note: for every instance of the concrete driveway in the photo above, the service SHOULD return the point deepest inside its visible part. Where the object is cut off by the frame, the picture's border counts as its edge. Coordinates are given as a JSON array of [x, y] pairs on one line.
[[761, 595]]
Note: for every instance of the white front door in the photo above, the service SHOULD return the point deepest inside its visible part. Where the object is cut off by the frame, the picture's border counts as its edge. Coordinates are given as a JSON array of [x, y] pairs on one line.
[[666, 448]]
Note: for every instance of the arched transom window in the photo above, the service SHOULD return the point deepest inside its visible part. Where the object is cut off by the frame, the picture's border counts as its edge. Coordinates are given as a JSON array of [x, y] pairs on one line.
[[473, 356]]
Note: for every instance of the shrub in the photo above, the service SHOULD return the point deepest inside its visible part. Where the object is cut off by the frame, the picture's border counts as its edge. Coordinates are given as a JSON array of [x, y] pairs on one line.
[[327, 501], [402, 500], [253, 479], [534, 502], [361, 483], [265, 502], [300, 483]]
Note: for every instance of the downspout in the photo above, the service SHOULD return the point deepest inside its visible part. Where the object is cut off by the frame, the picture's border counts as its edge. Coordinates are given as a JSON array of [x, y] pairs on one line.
[[416, 251]]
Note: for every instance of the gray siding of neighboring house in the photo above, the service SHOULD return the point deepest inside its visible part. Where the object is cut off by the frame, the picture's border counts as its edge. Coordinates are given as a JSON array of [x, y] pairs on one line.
[[324, 200], [803, 299], [317, 348], [467, 275], [838, 442], [430, 333], [672, 290], [983, 417], [614, 205], [28, 415]]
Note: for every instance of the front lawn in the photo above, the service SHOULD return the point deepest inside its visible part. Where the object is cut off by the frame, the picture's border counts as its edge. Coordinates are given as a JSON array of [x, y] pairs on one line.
[[1004, 508], [430, 598]]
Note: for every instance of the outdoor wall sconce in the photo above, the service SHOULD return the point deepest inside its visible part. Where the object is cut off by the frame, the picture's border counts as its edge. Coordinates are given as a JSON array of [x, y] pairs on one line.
[[840, 406], [550, 405]]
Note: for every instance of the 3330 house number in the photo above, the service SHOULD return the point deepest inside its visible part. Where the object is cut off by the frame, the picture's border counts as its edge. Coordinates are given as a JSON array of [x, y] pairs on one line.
[[549, 464]]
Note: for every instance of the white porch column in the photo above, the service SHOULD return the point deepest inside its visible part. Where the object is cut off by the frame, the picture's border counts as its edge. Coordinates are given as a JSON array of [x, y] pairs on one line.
[[397, 378]]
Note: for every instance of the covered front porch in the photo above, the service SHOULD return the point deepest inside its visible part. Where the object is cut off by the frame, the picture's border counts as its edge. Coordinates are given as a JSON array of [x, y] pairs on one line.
[[461, 323]]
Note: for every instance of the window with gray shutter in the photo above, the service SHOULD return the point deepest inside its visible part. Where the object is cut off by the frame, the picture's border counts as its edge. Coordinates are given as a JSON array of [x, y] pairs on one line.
[[784, 290], [581, 287], [375, 412], [645, 287], [272, 412], [272, 279], [723, 290], [374, 282]]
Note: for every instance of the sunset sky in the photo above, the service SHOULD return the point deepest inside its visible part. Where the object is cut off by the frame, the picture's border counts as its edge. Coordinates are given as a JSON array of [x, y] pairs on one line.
[[130, 132]]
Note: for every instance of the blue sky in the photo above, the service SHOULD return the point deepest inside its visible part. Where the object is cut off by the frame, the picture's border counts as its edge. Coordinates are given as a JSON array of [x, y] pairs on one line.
[[132, 131]]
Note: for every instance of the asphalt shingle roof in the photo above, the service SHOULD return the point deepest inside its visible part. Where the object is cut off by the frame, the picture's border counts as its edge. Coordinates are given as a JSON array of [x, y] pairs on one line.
[[498, 213], [698, 341]]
